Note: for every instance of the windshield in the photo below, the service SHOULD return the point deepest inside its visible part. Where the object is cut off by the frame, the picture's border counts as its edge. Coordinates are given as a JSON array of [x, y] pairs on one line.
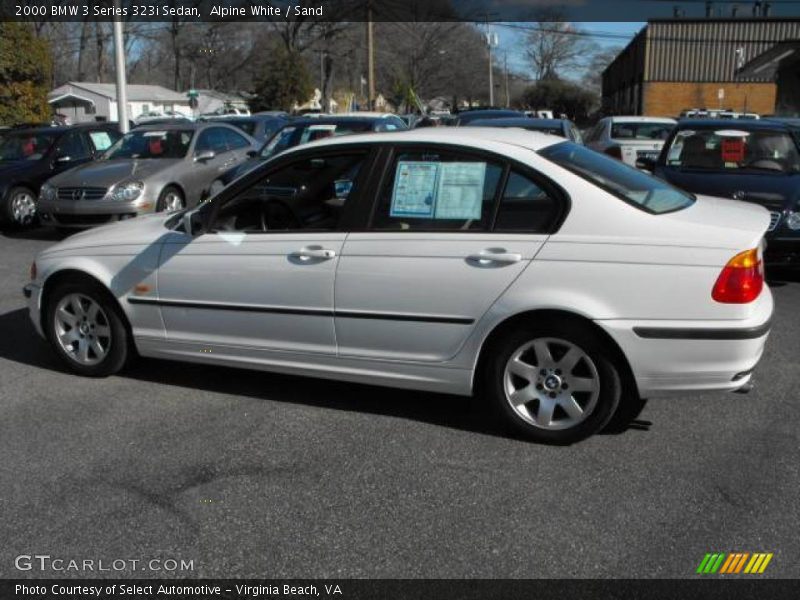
[[288, 137], [629, 184], [25, 146], [733, 150], [641, 131], [152, 144]]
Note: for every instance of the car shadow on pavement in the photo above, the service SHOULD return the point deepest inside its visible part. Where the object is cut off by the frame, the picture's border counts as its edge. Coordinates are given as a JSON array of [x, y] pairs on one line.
[[40, 234], [779, 277], [21, 344]]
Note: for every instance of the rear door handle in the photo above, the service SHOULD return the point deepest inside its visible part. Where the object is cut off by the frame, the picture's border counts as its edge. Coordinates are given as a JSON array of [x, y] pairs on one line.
[[487, 257], [316, 253]]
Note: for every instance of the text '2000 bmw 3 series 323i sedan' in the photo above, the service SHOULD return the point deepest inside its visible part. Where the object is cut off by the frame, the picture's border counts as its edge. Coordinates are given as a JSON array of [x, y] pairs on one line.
[[558, 284]]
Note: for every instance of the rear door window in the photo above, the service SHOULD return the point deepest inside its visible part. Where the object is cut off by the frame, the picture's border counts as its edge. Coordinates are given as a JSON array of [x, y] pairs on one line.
[[526, 206]]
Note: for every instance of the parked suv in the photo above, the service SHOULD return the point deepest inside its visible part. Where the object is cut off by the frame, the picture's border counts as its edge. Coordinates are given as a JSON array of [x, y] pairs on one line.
[[756, 161], [31, 156], [629, 138]]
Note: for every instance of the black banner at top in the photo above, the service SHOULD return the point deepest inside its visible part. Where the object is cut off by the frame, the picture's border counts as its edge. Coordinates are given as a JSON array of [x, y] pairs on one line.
[[399, 589], [393, 10]]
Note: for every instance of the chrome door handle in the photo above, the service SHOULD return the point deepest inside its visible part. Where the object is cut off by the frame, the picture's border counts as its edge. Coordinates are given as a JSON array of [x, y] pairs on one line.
[[487, 257], [315, 252]]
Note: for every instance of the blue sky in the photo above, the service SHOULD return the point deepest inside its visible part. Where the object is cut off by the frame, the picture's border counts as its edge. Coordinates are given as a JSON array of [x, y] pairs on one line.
[[512, 39]]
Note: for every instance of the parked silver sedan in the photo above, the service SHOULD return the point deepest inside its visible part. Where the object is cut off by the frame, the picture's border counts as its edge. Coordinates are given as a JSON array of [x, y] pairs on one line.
[[151, 169]]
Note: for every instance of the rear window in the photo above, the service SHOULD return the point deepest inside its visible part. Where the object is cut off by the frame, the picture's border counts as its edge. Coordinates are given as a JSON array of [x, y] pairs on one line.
[[641, 131], [631, 185], [734, 150]]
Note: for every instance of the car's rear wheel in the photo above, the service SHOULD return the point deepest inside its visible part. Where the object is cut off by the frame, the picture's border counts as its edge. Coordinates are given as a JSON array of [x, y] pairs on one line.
[[19, 207], [85, 327], [170, 200], [554, 383]]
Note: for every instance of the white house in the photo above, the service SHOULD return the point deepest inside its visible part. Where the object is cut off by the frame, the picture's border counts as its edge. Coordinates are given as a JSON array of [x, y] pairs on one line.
[[209, 101], [84, 101]]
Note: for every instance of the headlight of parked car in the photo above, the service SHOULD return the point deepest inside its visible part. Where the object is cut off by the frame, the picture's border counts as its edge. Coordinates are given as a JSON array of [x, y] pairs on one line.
[[128, 191], [793, 221], [48, 192]]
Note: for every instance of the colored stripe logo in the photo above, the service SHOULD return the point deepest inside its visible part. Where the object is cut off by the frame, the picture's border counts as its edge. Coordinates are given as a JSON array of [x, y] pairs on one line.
[[734, 562]]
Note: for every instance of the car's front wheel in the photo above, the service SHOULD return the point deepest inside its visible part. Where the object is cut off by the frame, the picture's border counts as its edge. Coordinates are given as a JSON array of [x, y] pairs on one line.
[[170, 200], [19, 207], [553, 383], [84, 326]]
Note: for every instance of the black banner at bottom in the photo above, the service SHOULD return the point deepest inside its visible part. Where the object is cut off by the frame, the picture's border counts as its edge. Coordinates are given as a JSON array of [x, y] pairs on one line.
[[399, 589]]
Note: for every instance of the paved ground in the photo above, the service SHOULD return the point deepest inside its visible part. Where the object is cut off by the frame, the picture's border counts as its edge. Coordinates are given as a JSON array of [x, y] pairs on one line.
[[250, 474]]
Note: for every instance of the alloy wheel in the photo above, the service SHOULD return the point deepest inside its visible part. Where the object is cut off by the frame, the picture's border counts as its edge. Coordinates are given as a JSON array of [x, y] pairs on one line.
[[551, 383], [23, 207], [82, 329], [173, 202]]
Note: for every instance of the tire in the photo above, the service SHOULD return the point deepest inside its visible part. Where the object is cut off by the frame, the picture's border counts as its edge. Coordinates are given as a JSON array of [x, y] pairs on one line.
[[550, 400], [171, 199], [71, 325], [19, 207]]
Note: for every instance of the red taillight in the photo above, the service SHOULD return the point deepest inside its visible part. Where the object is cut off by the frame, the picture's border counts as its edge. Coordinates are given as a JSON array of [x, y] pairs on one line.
[[741, 280], [33, 271], [615, 152]]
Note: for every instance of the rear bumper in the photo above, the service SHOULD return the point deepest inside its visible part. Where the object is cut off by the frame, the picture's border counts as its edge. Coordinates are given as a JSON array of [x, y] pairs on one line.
[[678, 357]]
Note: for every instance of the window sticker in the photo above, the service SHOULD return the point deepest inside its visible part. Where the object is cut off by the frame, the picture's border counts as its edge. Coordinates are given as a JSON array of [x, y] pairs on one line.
[[460, 191], [732, 150], [437, 190], [414, 190], [101, 140]]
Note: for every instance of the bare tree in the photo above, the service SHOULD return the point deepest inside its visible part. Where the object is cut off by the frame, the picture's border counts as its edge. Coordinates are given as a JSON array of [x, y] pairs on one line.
[[554, 46]]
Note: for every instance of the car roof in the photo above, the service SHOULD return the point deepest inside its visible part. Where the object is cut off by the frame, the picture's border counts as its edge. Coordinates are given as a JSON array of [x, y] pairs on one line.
[[61, 128], [518, 122], [639, 119], [733, 123], [473, 137], [330, 120], [179, 124]]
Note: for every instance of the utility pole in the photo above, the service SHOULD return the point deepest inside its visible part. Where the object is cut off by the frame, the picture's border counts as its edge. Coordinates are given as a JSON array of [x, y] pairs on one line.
[[321, 70], [505, 68], [122, 86], [491, 41], [370, 59]]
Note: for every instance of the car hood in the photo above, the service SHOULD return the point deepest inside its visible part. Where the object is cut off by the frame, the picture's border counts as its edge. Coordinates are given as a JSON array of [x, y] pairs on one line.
[[105, 173], [773, 191], [125, 235]]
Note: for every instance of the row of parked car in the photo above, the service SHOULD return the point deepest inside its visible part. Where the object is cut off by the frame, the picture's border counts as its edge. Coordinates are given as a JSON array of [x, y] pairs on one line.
[[86, 175]]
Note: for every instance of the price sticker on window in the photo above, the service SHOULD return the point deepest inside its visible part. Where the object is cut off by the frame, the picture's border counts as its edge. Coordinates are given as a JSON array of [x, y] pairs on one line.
[[732, 150]]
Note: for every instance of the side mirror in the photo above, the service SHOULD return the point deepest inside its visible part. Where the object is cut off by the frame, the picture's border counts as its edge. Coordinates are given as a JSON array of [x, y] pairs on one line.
[[646, 164], [204, 156], [252, 153], [187, 224]]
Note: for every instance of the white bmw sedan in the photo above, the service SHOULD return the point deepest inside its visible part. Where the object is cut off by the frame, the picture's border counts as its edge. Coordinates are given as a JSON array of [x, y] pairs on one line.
[[560, 285]]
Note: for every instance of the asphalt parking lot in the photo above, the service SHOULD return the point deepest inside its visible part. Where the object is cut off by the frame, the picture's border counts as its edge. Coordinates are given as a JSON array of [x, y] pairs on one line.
[[259, 475]]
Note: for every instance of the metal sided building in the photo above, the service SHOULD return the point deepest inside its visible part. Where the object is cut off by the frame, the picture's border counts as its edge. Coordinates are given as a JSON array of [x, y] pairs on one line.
[[677, 64]]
